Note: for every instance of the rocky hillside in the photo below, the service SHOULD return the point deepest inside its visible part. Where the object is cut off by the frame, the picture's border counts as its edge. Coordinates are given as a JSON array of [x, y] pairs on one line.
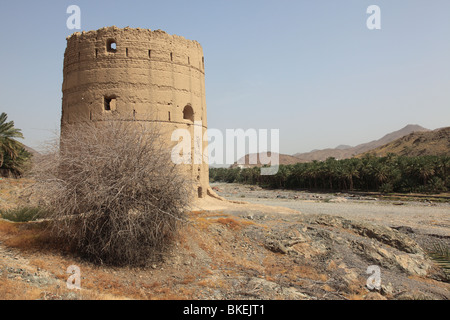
[[344, 152], [436, 142], [31, 150], [340, 152]]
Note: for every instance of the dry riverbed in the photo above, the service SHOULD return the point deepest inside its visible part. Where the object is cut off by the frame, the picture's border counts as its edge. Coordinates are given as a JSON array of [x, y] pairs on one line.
[[422, 219]]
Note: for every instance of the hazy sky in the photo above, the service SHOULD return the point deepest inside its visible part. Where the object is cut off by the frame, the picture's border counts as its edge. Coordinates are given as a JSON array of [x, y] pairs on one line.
[[310, 68]]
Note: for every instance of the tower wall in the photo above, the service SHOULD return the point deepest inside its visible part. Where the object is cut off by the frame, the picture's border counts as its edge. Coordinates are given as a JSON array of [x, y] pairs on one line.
[[138, 75]]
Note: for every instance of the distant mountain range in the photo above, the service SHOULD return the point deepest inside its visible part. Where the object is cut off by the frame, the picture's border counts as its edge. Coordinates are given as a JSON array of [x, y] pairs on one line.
[[30, 150], [411, 140], [282, 158], [436, 142], [344, 152]]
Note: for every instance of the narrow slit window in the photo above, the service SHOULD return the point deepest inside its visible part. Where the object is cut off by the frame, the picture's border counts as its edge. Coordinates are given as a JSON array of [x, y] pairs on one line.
[[149, 53], [169, 115], [171, 56], [126, 52], [96, 53], [108, 104]]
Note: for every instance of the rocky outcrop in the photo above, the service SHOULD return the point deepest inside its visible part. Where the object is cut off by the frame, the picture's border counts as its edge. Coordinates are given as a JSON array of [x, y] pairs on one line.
[[380, 245], [383, 234], [343, 250]]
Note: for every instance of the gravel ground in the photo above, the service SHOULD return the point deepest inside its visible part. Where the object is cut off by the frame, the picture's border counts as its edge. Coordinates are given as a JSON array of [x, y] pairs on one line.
[[422, 217]]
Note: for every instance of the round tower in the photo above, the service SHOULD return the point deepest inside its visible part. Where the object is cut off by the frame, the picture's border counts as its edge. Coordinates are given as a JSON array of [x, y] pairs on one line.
[[138, 75]]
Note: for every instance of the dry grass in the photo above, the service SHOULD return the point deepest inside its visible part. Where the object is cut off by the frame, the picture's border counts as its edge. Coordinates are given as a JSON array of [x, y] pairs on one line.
[[17, 290], [430, 281], [230, 223], [327, 288], [8, 228], [190, 278], [30, 237], [113, 192], [213, 283], [235, 224], [31, 240], [355, 297], [15, 192], [332, 266], [277, 268], [39, 263], [203, 220], [356, 291]]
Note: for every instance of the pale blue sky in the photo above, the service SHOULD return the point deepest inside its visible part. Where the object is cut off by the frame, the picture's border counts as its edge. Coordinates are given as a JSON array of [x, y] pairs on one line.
[[309, 68]]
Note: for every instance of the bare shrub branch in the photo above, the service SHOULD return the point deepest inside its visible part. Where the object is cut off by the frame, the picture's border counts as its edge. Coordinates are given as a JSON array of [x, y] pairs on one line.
[[113, 191]]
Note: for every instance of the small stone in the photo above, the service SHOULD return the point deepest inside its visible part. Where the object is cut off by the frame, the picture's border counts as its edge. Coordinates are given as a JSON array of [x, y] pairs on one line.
[[374, 296], [276, 246], [387, 289]]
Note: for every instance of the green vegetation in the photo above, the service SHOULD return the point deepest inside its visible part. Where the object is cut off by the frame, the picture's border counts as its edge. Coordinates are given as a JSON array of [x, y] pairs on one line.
[[440, 253], [422, 174], [23, 214], [13, 156]]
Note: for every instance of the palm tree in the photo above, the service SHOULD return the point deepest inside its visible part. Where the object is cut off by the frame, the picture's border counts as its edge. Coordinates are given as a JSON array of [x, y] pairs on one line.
[[351, 170], [8, 145], [312, 172], [282, 175], [381, 173], [426, 170], [330, 170]]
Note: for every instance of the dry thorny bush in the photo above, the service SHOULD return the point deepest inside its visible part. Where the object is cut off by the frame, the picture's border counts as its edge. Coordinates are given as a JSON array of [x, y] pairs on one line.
[[113, 192]]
